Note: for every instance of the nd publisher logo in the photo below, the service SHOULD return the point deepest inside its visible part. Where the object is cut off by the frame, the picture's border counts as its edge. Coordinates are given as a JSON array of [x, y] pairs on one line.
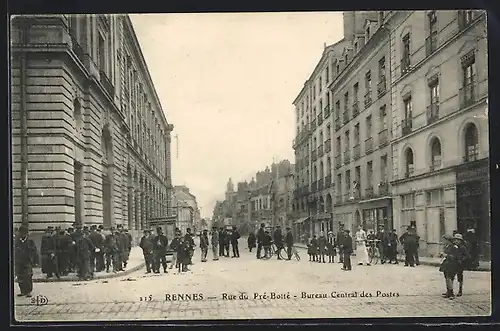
[[39, 300]]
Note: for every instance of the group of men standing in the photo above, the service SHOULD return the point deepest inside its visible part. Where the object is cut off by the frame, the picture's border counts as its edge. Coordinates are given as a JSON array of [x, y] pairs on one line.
[[84, 250], [264, 240], [222, 240]]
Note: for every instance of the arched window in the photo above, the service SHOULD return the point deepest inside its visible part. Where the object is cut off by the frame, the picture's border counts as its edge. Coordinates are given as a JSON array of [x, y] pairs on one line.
[[321, 170], [435, 154], [409, 167], [471, 143], [77, 114], [315, 174]]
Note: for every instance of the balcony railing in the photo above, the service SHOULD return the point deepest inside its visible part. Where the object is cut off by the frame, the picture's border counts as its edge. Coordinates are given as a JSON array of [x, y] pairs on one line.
[[338, 161], [355, 109], [435, 162], [369, 192], [382, 138], [313, 125], [472, 154], [320, 151], [467, 94], [347, 156], [356, 152], [410, 170], [328, 181], [326, 111], [430, 44], [381, 86], [432, 113], [346, 117], [383, 188], [314, 155], [406, 125], [328, 145], [106, 83], [368, 99], [77, 49], [369, 145], [320, 119], [337, 124], [405, 65]]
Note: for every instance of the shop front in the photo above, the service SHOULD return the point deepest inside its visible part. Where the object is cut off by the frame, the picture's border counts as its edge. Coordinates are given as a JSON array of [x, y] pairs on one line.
[[375, 213], [473, 202]]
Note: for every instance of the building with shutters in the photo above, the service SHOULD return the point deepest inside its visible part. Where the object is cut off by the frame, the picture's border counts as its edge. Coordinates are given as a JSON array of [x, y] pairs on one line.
[[90, 140]]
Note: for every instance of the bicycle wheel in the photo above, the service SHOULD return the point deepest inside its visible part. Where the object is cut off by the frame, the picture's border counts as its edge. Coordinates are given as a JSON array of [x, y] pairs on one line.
[[282, 253], [296, 254]]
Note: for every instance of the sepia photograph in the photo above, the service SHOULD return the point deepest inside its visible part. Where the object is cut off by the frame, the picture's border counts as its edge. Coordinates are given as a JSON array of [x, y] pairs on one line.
[[239, 166]]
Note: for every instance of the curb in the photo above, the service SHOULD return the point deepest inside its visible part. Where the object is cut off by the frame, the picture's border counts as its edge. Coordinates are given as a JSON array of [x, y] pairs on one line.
[[428, 263], [104, 276]]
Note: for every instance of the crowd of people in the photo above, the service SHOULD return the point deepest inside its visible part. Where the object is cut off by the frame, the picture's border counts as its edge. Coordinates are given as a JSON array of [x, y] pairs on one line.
[[263, 240]]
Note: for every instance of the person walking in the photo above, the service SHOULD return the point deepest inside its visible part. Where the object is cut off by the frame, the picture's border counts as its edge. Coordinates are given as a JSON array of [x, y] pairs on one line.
[[289, 243], [235, 236], [146, 245], [346, 245], [361, 251], [63, 253], [112, 251], [215, 243], [322, 243], [251, 241], [204, 245], [188, 237], [25, 257]]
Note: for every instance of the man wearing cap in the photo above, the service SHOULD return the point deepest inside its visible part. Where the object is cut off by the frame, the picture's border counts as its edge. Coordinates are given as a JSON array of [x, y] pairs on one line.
[[99, 261], [25, 256], [221, 241], [289, 242], [147, 250], [48, 251], [160, 244], [204, 245], [188, 238], [261, 236], [175, 247], [215, 243], [455, 255]]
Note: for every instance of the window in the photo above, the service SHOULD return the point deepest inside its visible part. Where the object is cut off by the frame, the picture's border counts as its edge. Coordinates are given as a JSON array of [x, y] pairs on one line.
[[338, 68], [337, 108], [383, 168], [348, 180], [405, 59], [380, 17], [383, 118], [381, 69], [369, 173], [471, 143], [314, 92], [434, 91], [78, 116], [368, 82], [434, 198], [320, 83], [339, 184], [338, 146], [432, 16], [408, 209], [407, 108], [327, 74], [368, 126], [465, 18], [409, 168], [435, 154], [346, 101], [102, 54], [356, 47], [356, 134], [328, 131], [347, 140], [356, 92], [469, 74], [320, 106]]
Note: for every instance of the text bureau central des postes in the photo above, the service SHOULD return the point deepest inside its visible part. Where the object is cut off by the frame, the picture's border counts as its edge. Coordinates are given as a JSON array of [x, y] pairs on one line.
[[271, 296]]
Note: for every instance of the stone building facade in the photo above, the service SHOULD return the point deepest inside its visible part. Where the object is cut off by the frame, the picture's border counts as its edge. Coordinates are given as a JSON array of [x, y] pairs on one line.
[[90, 141]]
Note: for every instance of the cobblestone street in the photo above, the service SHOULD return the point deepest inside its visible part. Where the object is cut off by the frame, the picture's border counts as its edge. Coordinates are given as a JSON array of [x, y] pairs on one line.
[[393, 291]]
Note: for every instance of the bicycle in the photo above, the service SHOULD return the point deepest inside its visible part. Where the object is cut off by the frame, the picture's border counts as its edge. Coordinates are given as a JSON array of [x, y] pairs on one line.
[[373, 251]]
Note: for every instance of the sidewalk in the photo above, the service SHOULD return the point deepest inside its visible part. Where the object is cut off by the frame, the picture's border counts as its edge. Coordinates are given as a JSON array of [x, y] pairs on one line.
[[135, 262], [431, 261]]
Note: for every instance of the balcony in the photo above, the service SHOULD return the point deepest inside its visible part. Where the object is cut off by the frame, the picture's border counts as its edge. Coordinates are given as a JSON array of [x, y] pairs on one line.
[[328, 145], [405, 65], [328, 181], [313, 125], [320, 151], [346, 117], [369, 145], [435, 163], [77, 49], [430, 44], [467, 95], [432, 113], [356, 152], [383, 138], [337, 124], [369, 192], [320, 184], [314, 156], [326, 111], [347, 156], [106, 83], [410, 170], [472, 154], [406, 125], [338, 162], [320, 119], [383, 188], [368, 99], [381, 86], [355, 109]]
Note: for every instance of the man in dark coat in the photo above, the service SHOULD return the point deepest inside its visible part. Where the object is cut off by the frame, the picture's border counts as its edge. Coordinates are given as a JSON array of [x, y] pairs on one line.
[[188, 238], [48, 251], [25, 256], [124, 246], [251, 241], [98, 243], [346, 245], [392, 247], [112, 251], [174, 246], [227, 240], [64, 252], [289, 242], [129, 243], [340, 236], [85, 254], [261, 235], [99, 262], [331, 247], [409, 242], [160, 244], [453, 264], [147, 250], [204, 245], [221, 242], [278, 240], [215, 243], [76, 235], [470, 238], [235, 235]]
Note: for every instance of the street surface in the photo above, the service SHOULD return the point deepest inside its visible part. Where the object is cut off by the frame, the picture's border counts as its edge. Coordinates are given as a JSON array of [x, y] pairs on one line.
[[396, 291]]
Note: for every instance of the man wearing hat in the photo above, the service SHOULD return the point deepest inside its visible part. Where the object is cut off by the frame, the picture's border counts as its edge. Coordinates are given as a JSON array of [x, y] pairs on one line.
[[470, 238], [331, 247], [261, 236], [48, 251], [112, 250], [289, 242], [97, 259], [381, 238], [455, 256], [346, 246], [340, 237], [160, 244], [147, 249], [25, 256], [85, 253], [64, 251], [215, 243], [409, 242]]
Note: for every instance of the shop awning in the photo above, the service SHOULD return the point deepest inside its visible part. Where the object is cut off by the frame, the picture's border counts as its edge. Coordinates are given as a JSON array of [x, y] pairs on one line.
[[301, 220]]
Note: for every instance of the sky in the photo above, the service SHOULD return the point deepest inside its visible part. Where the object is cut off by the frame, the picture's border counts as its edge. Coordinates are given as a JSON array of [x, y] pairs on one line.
[[227, 83]]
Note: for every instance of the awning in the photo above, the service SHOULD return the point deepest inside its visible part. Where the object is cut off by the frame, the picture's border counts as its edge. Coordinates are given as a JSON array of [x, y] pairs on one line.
[[301, 220]]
